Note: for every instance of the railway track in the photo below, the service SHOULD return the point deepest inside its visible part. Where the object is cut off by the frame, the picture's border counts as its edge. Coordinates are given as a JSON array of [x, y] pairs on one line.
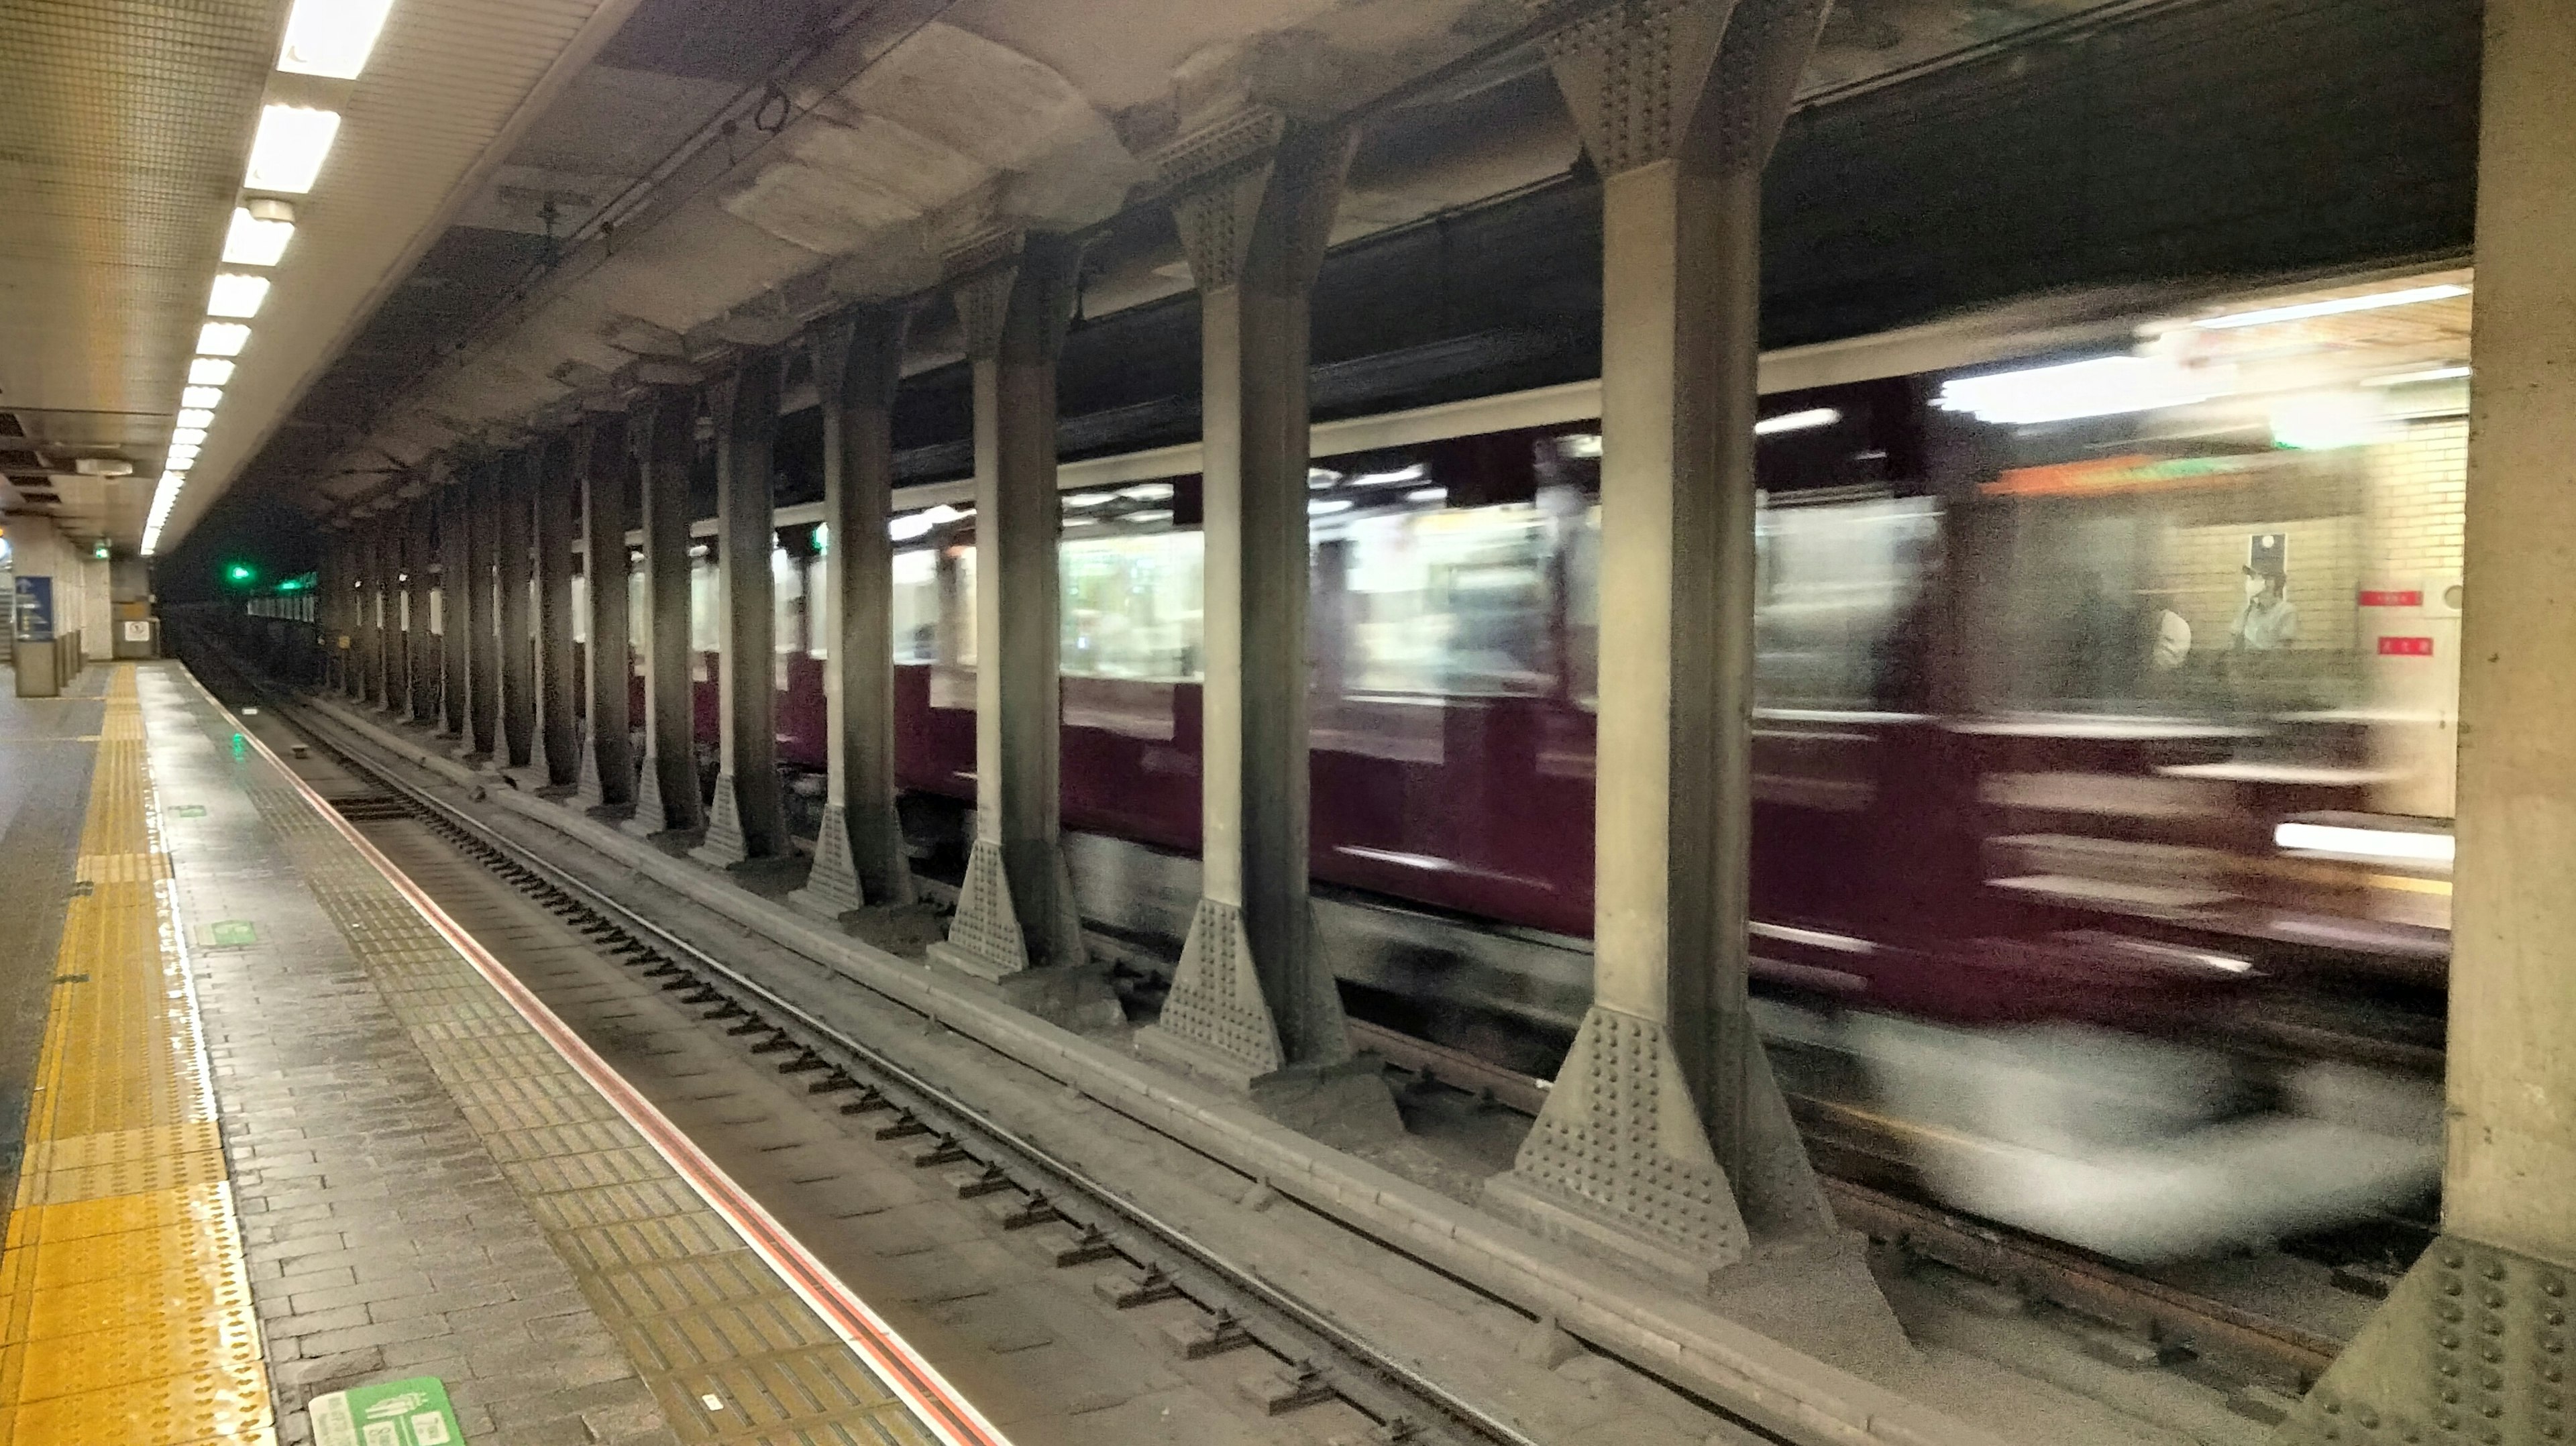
[[1024, 1184], [1317, 1359]]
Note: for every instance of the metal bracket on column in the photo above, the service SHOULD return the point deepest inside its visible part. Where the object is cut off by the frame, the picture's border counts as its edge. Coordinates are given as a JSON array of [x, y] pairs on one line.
[[1220, 172], [1215, 1015], [1619, 1161], [2472, 1346]]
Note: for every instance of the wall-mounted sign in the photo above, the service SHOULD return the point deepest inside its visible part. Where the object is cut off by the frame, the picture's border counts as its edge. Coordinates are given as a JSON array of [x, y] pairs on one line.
[[35, 609], [138, 632], [2406, 647], [2392, 597]]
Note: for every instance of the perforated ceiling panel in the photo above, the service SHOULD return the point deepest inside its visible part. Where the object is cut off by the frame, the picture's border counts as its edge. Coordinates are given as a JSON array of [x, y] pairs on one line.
[[122, 137]]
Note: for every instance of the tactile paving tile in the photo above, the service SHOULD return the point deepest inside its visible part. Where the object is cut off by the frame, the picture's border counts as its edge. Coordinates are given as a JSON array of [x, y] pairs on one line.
[[117, 1214], [199, 1406], [102, 1359], [695, 1309]]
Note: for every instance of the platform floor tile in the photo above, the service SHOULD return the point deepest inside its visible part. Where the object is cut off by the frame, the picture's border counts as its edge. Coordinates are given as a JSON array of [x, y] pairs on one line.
[[125, 1309], [581, 1264]]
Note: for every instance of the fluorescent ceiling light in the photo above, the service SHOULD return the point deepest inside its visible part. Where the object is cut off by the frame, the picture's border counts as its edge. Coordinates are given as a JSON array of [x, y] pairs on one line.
[[1158, 514], [208, 371], [254, 242], [1329, 505], [1414, 473], [236, 293], [188, 436], [331, 37], [1427, 494], [1579, 446], [943, 513], [2408, 379], [2301, 311], [2372, 843], [1321, 479], [1807, 420], [2101, 387], [222, 338], [201, 396], [909, 526], [1147, 491], [287, 154], [1089, 499], [195, 417]]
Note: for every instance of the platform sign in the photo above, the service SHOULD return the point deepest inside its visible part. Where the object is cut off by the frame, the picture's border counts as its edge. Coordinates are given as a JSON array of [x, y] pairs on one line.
[[35, 609], [398, 1413]]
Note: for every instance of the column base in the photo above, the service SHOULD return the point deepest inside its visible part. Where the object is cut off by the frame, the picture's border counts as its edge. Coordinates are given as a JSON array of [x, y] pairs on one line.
[[590, 790], [1618, 1163], [1075, 997], [541, 765], [652, 815], [832, 885], [725, 847], [1346, 1102], [2469, 1346]]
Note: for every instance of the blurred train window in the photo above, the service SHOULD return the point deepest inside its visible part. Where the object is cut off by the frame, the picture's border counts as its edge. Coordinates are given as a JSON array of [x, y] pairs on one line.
[[961, 609], [916, 606], [1132, 605], [1841, 600], [1452, 601], [706, 606]]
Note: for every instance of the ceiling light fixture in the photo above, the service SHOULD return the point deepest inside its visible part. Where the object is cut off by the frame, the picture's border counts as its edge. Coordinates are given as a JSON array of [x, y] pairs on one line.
[[208, 371], [201, 396], [222, 338], [195, 417], [2103, 386], [188, 436], [236, 293], [2301, 311], [1807, 420], [331, 37], [287, 154], [261, 228]]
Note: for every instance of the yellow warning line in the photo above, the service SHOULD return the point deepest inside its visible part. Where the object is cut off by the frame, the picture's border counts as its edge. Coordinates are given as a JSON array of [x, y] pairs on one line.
[[125, 1312]]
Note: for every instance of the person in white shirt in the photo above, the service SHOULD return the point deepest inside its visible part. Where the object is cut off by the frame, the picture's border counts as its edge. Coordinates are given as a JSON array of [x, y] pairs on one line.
[[2268, 621]]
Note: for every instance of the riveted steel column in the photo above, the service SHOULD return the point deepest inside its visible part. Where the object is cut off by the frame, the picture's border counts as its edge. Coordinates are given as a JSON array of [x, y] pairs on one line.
[[858, 849], [749, 820], [336, 613], [557, 759], [514, 559], [1015, 925], [422, 555], [1253, 1003], [364, 638], [2476, 1341], [606, 470], [662, 433], [455, 607], [485, 495], [1666, 1135]]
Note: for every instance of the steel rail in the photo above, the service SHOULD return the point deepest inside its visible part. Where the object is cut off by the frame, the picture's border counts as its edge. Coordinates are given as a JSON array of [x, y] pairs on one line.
[[1408, 1405]]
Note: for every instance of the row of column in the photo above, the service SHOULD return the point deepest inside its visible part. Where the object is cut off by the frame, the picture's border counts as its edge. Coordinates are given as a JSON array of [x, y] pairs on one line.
[[1666, 1134]]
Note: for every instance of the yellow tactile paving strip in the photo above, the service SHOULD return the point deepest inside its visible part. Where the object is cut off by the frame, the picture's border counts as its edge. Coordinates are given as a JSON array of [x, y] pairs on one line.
[[125, 1312]]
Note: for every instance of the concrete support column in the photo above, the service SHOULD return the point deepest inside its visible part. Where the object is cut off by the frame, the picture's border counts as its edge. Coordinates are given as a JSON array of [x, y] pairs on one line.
[[514, 562], [558, 745], [1253, 1003], [356, 579], [421, 524], [605, 469], [2474, 1343], [1015, 926], [393, 649], [858, 852], [662, 432], [455, 568], [1666, 1137], [748, 821], [484, 492]]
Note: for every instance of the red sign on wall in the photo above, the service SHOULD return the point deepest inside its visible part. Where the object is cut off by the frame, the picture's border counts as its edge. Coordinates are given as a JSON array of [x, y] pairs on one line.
[[2406, 647], [2408, 598]]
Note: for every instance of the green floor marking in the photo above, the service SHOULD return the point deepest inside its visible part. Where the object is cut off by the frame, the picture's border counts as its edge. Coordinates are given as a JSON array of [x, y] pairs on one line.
[[232, 933], [397, 1413], [189, 810]]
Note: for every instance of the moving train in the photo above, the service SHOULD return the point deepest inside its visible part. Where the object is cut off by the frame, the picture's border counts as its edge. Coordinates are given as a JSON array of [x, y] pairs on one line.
[[2106, 674]]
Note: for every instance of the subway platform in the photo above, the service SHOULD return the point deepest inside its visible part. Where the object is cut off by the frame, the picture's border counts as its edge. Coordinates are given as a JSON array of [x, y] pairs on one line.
[[302, 1162]]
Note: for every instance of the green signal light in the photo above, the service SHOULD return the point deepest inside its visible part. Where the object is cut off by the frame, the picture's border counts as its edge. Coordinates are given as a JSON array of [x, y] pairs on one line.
[[241, 572]]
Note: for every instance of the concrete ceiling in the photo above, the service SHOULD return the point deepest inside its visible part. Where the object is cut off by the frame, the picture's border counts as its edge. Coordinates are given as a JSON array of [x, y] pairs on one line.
[[722, 169]]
